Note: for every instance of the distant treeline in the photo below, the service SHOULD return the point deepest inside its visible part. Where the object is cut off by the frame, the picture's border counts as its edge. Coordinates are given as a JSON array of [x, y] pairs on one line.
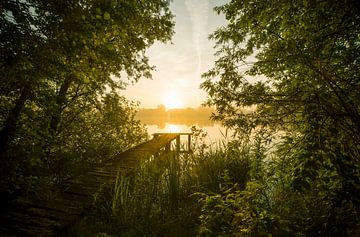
[[189, 116]]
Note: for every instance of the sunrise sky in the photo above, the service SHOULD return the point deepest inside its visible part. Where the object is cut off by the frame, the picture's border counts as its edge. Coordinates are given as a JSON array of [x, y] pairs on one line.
[[179, 64]]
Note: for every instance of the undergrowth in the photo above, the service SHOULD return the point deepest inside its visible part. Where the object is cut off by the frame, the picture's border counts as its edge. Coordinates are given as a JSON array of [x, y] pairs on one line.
[[236, 188]]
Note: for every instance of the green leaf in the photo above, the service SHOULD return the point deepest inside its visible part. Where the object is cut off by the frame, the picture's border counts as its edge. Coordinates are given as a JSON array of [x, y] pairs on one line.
[[107, 16]]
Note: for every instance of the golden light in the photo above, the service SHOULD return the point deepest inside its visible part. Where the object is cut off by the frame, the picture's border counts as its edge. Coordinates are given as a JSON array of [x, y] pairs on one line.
[[173, 128], [172, 100]]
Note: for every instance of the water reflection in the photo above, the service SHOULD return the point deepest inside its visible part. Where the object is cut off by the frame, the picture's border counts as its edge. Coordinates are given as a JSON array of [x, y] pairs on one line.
[[172, 128], [215, 133], [189, 116], [181, 120]]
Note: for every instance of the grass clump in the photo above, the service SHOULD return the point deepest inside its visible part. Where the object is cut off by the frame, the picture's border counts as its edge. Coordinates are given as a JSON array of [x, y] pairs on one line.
[[162, 196], [237, 188]]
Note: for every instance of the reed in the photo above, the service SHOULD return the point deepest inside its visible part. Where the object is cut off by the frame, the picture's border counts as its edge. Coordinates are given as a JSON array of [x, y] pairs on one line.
[[158, 198], [233, 188]]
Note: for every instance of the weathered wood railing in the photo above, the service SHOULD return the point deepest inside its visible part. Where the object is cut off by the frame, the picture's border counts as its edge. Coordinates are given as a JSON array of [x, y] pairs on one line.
[[178, 146], [67, 203]]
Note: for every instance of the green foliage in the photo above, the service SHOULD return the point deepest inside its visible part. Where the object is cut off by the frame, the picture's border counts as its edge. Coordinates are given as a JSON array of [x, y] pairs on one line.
[[161, 197], [232, 190], [152, 201], [92, 137], [273, 200], [287, 72], [307, 73], [235, 212], [63, 65]]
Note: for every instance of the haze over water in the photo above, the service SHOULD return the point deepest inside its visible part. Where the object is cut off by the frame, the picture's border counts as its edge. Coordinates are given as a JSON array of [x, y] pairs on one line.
[[177, 77], [182, 120]]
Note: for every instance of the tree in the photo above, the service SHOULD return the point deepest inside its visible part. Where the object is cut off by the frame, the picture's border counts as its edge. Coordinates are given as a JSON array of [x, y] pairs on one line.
[[61, 62], [306, 54], [73, 45]]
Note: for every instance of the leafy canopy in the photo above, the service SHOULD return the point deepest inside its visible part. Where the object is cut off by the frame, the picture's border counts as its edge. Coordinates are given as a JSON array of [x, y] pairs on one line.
[[63, 65], [306, 54], [290, 70]]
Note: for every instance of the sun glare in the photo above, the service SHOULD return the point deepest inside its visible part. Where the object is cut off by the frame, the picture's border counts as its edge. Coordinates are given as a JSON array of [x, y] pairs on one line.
[[172, 101], [173, 128]]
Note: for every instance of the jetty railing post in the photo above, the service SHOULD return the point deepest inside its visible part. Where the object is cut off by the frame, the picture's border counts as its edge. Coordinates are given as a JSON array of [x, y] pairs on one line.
[[178, 144], [189, 143]]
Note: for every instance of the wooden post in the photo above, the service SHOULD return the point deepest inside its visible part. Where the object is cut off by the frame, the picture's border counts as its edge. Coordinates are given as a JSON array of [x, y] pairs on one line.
[[178, 144], [189, 143]]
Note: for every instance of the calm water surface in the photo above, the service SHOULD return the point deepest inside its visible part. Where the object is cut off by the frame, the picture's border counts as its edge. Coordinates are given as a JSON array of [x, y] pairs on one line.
[[215, 132]]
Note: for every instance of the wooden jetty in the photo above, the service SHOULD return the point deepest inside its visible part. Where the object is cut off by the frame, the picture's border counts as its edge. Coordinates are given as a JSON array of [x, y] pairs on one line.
[[67, 203]]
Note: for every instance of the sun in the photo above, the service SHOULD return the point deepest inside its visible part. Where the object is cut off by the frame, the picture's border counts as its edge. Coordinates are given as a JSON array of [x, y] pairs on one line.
[[172, 100]]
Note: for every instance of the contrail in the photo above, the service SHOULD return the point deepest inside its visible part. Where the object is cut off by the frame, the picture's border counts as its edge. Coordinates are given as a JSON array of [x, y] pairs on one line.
[[198, 11]]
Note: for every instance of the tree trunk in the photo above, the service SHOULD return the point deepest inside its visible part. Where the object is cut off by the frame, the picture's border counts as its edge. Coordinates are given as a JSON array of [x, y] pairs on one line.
[[60, 101], [10, 124]]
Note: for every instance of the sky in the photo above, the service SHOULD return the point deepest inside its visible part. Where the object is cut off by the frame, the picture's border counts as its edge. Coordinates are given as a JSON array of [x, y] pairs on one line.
[[180, 62]]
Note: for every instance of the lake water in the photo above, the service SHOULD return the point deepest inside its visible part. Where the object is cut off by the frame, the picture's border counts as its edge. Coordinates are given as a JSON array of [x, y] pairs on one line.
[[160, 120], [215, 132]]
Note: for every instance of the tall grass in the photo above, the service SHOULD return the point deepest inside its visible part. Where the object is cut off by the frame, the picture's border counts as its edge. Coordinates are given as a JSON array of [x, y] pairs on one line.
[[234, 188], [159, 198]]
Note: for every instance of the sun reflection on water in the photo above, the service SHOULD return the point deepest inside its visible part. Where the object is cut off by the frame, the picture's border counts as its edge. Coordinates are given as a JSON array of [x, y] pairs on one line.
[[172, 128]]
